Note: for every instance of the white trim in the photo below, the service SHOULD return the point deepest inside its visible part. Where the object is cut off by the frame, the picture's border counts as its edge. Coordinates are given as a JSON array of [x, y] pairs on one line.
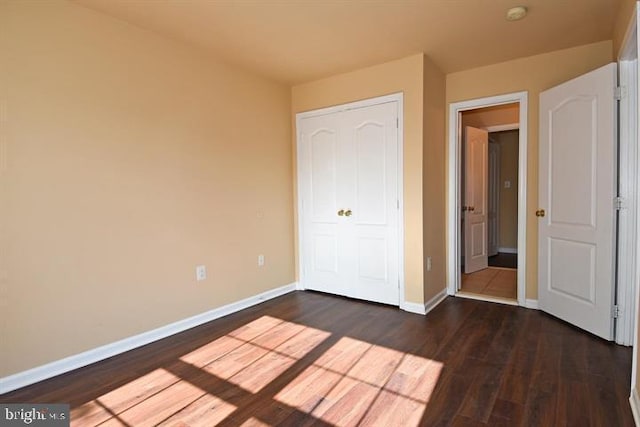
[[634, 401], [628, 190], [399, 99], [425, 308], [401, 283], [636, 279], [433, 302], [531, 303], [413, 307], [502, 128], [453, 197], [394, 97], [486, 298], [508, 250], [43, 372]]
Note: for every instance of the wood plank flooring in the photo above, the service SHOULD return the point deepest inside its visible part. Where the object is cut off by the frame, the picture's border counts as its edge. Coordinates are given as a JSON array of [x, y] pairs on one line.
[[308, 359]]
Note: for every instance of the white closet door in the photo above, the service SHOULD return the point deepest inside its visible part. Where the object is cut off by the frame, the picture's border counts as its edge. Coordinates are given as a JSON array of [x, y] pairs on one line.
[[372, 196], [348, 179], [319, 145]]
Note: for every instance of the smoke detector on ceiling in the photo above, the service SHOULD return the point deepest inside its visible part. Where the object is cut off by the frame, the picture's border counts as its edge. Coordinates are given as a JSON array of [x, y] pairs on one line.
[[516, 13]]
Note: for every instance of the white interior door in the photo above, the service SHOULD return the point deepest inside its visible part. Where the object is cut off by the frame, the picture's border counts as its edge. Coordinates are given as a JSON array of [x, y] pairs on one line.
[[348, 178], [475, 204], [319, 148], [576, 192], [372, 138]]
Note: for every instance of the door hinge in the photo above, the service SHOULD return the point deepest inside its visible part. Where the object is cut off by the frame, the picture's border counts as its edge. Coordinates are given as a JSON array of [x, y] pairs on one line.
[[397, 203], [618, 203], [397, 122], [620, 92], [615, 312]]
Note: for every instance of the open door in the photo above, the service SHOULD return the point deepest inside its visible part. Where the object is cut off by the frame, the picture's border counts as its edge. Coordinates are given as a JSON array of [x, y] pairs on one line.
[[476, 153], [576, 194]]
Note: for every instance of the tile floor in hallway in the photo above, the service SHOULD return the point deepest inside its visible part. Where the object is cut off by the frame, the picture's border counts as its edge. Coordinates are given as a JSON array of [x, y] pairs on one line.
[[492, 281]]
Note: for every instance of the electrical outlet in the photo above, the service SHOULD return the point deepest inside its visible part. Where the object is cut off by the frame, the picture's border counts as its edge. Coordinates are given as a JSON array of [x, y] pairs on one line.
[[201, 272], [507, 184], [428, 263], [260, 260]]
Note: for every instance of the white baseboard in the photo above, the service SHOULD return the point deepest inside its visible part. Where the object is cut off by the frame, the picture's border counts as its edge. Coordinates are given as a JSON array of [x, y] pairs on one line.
[[31, 376], [508, 250], [531, 303], [634, 401], [486, 298], [433, 302], [413, 307]]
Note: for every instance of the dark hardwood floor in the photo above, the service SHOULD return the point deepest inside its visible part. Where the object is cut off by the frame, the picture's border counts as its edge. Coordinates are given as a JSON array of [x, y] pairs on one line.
[[308, 359], [503, 260]]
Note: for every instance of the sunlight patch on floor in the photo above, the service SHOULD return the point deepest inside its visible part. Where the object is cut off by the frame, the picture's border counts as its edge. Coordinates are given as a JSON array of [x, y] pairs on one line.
[[355, 381], [351, 382], [250, 357]]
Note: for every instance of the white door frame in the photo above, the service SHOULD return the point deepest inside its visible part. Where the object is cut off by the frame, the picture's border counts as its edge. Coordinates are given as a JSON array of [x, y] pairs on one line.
[[454, 207], [628, 190], [398, 98], [494, 196], [629, 221]]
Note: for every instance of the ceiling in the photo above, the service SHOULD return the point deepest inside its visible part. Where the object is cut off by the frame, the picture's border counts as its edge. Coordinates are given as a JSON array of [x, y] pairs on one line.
[[294, 41]]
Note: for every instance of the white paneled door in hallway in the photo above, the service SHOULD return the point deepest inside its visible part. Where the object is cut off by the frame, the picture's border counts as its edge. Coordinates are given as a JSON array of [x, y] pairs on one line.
[[475, 215], [348, 198]]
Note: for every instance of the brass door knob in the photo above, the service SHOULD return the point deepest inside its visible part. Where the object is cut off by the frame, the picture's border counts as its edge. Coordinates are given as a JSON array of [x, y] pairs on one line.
[[341, 212], [472, 208], [540, 213], [348, 212]]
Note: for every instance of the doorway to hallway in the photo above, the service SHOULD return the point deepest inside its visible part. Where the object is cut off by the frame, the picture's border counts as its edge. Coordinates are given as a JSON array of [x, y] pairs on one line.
[[487, 191]]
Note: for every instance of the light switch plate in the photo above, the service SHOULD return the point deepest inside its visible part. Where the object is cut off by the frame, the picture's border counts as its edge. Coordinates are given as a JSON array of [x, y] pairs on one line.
[[201, 272]]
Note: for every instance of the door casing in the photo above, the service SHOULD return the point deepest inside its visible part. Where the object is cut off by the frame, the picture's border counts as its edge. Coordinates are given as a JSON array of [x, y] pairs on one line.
[[398, 98], [629, 225], [493, 209], [454, 206]]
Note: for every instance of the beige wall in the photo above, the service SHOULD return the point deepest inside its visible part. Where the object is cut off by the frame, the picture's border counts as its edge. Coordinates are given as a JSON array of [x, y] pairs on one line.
[[508, 216], [406, 76], [434, 181], [533, 74], [127, 160]]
